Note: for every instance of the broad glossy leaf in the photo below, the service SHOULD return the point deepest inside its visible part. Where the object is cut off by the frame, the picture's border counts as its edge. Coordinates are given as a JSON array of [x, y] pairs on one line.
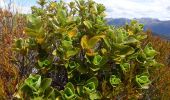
[[149, 51], [94, 80], [114, 80], [46, 82], [33, 81], [143, 81], [131, 40], [107, 42], [48, 92], [44, 63], [71, 66], [87, 43], [95, 96], [97, 60], [71, 52], [87, 24], [68, 94], [90, 87], [71, 86], [125, 66], [34, 27], [141, 57], [27, 89], [84, 43], [123, 50], [67, 44], [54, 52], [82, 69], [80, 90], [94, 40]]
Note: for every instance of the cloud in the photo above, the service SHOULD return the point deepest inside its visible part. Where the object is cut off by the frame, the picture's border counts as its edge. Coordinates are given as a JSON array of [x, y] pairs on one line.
[[168, 8], [137, 8], [119, 8], [21, 6], [2, 4]]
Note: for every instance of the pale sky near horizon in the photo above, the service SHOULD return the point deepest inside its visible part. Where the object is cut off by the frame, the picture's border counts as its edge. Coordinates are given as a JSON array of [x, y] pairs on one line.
[[115, 8]]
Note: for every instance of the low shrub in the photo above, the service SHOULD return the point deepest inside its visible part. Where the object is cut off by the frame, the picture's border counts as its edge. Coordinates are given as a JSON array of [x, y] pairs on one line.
[[76, 55]]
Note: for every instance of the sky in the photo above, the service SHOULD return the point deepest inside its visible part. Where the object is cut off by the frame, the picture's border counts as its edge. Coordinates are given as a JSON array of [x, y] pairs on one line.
[[159, 9]]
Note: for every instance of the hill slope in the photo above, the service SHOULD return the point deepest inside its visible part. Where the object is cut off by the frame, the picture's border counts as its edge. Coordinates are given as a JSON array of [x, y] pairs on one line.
[[161, 28]]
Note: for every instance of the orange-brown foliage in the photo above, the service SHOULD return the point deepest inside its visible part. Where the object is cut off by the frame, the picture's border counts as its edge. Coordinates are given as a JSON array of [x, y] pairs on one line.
[[11, 26], [160, 88]]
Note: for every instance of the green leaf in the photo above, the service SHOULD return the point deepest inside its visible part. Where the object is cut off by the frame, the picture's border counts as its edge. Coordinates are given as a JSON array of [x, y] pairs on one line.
[[71, 52], [143, 81], [83, 42], [68, 94], [123, 50], [131, 40], [67, 44], [71, 86], [125, 66], [149, 51], [26, 89], [97, 60], [87, 24], [33, 81], [94, 80], [107, 42], [38, 83], [18, 43], [43, 63], [80, 90], [90, 87], [48, 92], [114, 80], [54, 52], [72, 66], [34, 27], [46, 82], [141, 57], [95, 96], [95, 68], [94, 40]]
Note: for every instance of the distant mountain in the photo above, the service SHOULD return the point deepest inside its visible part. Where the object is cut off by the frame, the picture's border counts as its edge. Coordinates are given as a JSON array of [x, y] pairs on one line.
[[161, 28]]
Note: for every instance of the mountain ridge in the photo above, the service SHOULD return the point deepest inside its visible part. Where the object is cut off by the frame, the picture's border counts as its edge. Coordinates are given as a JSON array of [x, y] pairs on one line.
[[158, 27]]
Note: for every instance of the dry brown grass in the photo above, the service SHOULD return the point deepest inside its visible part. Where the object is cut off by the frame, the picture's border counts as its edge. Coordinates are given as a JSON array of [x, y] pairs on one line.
[[160, 88], [11, 26], [8, 73]]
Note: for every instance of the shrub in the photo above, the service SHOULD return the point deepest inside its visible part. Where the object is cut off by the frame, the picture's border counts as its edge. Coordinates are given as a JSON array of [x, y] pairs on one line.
[[84, 57]]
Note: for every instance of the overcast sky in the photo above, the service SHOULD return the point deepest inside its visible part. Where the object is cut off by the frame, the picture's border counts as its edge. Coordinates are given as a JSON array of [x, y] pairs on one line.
[[116, 8]]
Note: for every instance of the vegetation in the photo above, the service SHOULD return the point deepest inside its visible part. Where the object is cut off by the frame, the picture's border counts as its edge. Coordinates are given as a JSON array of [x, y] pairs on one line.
[[11, 26], [160, 85], [69, 52]]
